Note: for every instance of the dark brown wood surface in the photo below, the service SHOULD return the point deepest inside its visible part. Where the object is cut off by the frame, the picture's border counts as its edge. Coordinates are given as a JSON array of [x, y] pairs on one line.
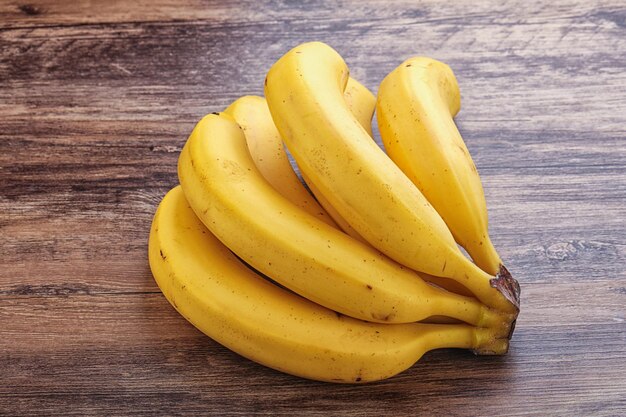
[[97, 98]]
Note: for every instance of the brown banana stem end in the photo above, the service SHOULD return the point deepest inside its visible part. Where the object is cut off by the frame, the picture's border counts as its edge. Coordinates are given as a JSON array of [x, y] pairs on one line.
[[510, 289], [507, 285]]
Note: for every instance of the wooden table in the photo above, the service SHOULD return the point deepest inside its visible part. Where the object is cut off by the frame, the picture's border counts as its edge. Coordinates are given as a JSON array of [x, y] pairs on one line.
[[97, 98]]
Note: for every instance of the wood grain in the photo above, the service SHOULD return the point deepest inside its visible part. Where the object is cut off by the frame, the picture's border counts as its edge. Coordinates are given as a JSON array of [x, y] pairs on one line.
[[96, 101]]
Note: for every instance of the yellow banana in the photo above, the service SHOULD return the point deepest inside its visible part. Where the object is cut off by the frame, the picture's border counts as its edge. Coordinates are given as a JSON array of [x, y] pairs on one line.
[[304, 91], [362, 104], [416, 104], [224, 299], [267, 151], [315, 260]]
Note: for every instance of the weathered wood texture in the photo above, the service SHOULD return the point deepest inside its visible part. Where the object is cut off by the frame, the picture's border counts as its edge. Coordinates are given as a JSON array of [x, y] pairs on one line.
[[97, 98]]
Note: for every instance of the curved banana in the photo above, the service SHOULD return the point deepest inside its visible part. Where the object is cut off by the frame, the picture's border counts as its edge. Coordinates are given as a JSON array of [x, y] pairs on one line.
[[304, 91], [362, 104], [306, 255], [416, 104], [267, 151], [224, 299]]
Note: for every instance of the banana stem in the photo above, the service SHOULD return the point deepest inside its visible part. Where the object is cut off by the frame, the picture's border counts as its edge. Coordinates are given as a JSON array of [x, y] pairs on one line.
[[442, 336], [500, 303], [470, 311], [485, 256], [500, 291]]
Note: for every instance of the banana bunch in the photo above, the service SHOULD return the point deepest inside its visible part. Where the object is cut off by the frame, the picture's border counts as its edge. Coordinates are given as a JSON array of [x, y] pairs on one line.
[[354, 277]]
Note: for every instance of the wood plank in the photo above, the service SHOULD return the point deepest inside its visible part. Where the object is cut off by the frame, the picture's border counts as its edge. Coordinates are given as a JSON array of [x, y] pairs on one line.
[[401, 13]]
